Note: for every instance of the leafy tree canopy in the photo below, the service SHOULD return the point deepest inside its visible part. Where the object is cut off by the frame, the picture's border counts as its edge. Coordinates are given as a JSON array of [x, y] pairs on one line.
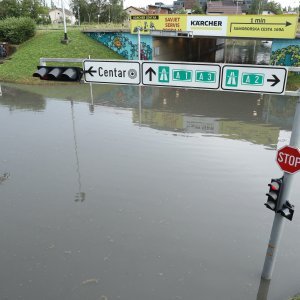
[[258, 6], [197, 10], [99, 10], [22, 8]]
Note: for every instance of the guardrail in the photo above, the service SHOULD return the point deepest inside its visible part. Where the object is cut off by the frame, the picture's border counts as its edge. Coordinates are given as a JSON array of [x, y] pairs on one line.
[[44, 60]]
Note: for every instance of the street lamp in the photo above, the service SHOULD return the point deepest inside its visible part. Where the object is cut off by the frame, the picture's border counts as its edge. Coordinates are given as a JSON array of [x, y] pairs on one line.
[[78, 15], [65, 39], [108, 13], [237, 6]]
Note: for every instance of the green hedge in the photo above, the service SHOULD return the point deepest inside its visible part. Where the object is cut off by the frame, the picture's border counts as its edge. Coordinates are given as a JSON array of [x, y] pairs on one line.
[[16, 30]]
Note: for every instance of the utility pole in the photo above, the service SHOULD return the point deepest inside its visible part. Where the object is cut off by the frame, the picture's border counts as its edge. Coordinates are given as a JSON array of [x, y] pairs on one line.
[[78, 14], [139, 44], [65, 40], [279, 219]]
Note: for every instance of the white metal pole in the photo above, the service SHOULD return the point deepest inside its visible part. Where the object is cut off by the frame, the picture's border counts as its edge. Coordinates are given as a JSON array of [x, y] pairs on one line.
[[78, 15], [139, 44], [64, 17], [278, 222]]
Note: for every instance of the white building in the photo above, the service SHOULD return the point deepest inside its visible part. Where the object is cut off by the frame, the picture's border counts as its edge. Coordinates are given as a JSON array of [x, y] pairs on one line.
[[56, 16]]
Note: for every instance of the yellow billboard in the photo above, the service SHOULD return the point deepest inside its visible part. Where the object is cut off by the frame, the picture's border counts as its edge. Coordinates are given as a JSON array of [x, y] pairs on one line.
[[262, 26], [146, 23], [252, 26]]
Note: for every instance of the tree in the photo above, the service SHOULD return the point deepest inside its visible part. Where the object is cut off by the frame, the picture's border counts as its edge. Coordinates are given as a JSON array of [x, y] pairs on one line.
[[197, 10], [274, 7], [181, 11], [25, 8], [256, 7], [9, 8], [108, 11], [117, 13]]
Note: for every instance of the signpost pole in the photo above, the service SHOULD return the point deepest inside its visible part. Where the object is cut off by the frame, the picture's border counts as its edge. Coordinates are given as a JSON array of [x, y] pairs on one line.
[[139, 44], [64, 19], [140, 88], [278, 222], [140, 106]]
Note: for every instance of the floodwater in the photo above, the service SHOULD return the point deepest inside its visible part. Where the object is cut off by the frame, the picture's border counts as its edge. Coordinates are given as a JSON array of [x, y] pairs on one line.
[[106, 197]]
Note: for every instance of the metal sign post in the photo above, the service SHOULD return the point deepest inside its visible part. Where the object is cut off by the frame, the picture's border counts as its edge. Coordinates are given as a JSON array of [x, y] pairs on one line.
[[139, 44], [278, 222]]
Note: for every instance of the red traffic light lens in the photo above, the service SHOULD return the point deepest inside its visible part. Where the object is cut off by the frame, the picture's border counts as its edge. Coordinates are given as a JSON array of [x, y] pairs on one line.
[[274, 186]]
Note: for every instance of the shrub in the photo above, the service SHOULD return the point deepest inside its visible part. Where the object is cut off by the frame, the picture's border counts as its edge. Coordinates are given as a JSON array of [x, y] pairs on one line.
[[16, 30]]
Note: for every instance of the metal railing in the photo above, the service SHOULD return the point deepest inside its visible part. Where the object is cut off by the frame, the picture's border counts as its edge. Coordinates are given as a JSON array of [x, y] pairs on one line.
[[44, 60]]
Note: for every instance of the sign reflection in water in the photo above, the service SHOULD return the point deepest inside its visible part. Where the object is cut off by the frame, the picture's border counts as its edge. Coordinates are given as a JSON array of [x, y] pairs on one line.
[[160, 220]]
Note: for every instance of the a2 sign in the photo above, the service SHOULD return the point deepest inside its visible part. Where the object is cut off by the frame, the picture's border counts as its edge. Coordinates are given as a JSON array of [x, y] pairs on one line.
[[227, 77]]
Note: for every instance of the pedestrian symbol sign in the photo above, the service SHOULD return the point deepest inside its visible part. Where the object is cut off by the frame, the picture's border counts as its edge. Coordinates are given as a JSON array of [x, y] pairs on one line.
[[232, 77], [163, 74], [182, 75], [253, 79], [205, 76]]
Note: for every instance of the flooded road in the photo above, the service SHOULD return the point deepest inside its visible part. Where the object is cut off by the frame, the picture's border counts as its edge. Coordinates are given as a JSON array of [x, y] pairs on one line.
[[104, 197]]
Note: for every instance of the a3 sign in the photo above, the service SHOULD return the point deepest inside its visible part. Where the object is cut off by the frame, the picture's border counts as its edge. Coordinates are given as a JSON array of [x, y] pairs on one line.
[[242, 78]]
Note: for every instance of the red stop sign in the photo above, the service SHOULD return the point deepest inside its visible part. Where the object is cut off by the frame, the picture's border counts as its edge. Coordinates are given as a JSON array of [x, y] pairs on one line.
[[288, 158]]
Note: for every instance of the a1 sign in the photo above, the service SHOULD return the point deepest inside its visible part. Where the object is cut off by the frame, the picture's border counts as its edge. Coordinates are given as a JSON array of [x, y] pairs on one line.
[[288, 158], [181, 74]]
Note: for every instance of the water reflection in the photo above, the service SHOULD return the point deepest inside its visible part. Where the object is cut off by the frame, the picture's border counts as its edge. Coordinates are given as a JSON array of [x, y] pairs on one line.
[[252, 117], [4, 177], [263, 289], [16, 98], [159, 167], [80, 196]]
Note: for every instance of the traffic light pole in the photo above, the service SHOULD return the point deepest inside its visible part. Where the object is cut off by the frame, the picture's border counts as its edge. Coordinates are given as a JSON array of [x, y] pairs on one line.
[[278, 222]]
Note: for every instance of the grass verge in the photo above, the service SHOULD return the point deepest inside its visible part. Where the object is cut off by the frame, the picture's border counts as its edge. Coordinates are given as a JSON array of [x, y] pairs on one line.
[[293, 83], [21, 66]]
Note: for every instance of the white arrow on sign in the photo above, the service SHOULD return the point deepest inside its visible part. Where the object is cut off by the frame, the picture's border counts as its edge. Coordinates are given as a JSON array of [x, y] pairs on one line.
[[114, 71], [249, 78]]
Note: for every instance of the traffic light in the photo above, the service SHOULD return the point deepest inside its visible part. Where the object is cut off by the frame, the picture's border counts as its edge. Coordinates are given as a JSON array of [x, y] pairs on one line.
[[273, 195], [58, 73], [287, 210]]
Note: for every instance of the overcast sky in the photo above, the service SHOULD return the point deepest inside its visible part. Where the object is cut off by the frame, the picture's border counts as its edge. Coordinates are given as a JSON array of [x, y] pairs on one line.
[[144, 3]]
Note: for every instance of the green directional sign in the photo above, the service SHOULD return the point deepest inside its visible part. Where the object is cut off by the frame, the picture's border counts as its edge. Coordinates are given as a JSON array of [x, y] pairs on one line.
[[163, 74], [232, 77], [182, 75], [253, 78], [206, 76]]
